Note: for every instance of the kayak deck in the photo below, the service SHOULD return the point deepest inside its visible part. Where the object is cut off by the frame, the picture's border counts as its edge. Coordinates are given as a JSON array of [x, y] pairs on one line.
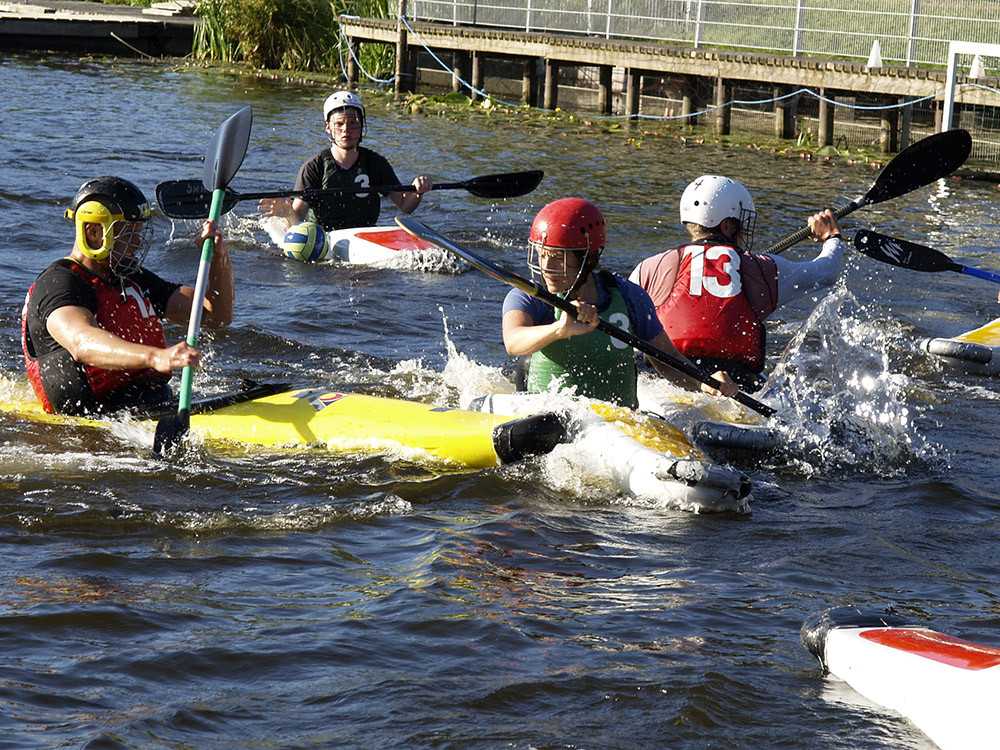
[[376, 246], [945, 685], [644, 457], [355, 423], [341, 423], [976, 351]]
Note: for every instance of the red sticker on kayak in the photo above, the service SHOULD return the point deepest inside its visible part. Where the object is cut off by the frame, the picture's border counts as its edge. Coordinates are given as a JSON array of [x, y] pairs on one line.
[[395, 239], [938, 647]]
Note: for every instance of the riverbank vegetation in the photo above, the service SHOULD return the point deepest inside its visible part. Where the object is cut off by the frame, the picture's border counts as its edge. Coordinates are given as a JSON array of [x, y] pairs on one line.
[[286, 34]]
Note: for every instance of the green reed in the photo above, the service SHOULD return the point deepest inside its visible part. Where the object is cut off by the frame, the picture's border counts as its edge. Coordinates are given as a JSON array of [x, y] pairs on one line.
[[287, 34]]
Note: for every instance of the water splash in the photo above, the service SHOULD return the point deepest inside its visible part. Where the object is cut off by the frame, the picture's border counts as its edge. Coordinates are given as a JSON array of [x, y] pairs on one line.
[[838, 396], [468, 377], [613, 456]]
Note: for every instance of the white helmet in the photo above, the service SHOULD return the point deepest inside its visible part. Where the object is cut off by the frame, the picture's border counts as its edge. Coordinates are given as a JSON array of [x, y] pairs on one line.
[[710, 199], [341, 99]]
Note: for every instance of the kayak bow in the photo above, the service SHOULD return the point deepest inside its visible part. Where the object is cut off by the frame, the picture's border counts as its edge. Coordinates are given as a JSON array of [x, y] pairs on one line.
[[945, 685]]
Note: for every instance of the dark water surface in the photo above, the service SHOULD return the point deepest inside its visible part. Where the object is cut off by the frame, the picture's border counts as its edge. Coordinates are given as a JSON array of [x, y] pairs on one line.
[[282, 599]]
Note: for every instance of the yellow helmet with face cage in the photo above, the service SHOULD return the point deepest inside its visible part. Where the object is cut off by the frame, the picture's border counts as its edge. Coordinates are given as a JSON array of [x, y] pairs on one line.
[[104, 201]]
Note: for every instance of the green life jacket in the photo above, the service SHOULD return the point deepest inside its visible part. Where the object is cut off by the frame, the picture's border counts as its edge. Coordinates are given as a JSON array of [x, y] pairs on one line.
[[599, 366], [345, 210]]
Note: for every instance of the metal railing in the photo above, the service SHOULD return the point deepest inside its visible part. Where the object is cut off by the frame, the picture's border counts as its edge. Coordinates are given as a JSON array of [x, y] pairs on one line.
[[908, 32]]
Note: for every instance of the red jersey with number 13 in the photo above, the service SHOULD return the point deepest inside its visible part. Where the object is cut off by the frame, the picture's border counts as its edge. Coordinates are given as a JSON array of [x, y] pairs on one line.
[[718, 302]]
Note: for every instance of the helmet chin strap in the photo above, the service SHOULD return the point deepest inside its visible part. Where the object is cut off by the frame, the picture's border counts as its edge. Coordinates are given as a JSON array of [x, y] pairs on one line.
[[334, 142]]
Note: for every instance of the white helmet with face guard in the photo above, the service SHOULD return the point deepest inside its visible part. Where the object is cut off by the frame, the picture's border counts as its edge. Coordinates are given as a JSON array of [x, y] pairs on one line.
[[343, 100], [711, 199]]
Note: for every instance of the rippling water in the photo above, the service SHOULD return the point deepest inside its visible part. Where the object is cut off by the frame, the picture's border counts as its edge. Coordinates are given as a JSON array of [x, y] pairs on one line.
[[253, 600]]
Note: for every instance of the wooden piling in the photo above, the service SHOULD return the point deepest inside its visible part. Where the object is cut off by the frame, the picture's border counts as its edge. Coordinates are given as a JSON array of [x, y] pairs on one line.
[[402, 52], [824, 129], [551, 100], [604, 94], [723, 115]]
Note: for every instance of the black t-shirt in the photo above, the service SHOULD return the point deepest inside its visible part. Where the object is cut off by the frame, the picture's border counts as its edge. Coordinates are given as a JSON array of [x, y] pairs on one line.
[[60, 286], [65, 380], [345, 210]]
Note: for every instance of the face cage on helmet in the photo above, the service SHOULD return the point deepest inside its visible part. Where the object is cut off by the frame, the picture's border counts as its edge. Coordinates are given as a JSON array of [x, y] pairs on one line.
[[535, 265], [361, 116], [748, 222], [129, 233]]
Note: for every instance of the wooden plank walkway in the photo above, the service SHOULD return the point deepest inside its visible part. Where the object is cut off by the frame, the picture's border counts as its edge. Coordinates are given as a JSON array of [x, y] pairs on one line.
[[167, 29]]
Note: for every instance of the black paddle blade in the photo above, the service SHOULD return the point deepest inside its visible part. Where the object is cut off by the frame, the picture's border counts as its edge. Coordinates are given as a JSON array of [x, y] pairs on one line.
[[920, 164], [188, 199], [508, 185], [422, 231], [170, 432], [227, 149], [917, 165], [902, 253]]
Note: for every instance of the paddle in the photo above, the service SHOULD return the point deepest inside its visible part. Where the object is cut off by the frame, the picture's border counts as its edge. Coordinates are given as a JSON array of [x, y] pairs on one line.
[[188, 199], [913, 256], [222, 160], [423, 232], [917, 165]]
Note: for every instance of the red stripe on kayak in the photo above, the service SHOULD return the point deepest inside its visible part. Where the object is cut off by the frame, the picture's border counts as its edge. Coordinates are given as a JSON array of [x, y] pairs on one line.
[[395, 239], [938, 647]]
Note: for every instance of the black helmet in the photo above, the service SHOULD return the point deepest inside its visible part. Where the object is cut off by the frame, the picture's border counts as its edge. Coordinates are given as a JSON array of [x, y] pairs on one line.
[[104, 201]]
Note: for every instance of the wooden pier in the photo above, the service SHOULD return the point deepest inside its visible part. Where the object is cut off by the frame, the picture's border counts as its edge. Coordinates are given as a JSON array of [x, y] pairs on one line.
[[166, 29], [629, 62]]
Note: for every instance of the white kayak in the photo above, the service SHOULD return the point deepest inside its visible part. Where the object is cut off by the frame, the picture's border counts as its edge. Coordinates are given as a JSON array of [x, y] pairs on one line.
[[976, 351], [947, 686], [643, 457], [715, 425], [376, 246]]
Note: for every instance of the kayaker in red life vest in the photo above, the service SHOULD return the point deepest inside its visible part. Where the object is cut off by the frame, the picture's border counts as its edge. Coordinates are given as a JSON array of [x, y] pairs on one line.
[[90, 328], [566, 241], [346, 164], [713, 295]]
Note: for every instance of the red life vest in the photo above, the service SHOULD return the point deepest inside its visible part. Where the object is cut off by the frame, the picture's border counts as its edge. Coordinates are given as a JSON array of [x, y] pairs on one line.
[[709, 313], [122, 309]]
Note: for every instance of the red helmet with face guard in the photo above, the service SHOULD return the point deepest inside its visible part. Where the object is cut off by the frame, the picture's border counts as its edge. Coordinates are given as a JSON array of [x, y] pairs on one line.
[[570, 224]]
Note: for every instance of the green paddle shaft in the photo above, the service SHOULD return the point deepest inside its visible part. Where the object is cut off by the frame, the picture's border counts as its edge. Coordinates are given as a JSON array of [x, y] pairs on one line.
[[198, 304], [222, 160]]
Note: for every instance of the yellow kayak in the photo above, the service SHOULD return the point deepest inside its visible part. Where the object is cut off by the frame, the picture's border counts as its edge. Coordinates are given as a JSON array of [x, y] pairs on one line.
[[975, 351], [345, 423]]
